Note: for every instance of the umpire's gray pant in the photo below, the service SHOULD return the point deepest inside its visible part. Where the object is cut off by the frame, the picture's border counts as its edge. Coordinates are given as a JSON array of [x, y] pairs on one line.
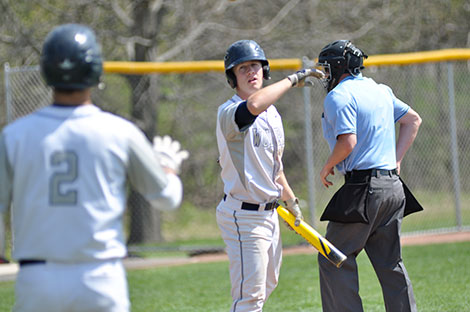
[[381, 240]]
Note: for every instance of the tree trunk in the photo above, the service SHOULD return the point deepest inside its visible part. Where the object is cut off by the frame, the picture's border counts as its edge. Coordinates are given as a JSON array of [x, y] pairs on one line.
[[145, 222], [145, 225]]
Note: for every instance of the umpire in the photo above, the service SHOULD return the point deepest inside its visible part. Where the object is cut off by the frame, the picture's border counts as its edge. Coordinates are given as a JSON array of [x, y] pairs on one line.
[[366, 213]]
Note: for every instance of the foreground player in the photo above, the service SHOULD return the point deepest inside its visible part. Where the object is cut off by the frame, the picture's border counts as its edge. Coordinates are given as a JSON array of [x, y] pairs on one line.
[[250, 139], [64, 170], [367, 211]]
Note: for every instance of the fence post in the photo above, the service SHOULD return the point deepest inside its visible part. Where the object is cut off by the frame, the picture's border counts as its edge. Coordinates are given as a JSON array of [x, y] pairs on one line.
[[7, 103], [454, 146], [6, 68], [309, 146]]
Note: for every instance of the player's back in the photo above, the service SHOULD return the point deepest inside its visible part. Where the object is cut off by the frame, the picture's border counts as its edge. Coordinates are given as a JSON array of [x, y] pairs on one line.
[[69, 166]]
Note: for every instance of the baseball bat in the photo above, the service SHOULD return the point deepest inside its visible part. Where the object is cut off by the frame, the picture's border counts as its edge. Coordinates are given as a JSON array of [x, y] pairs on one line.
[[320, 243]]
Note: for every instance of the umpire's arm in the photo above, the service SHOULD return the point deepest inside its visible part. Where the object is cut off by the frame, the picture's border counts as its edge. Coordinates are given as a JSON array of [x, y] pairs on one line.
[[409, 125]]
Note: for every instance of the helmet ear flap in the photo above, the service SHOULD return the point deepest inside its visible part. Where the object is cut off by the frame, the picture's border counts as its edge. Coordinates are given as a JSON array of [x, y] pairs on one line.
[[231, 79], [355, 59], [266, 71]]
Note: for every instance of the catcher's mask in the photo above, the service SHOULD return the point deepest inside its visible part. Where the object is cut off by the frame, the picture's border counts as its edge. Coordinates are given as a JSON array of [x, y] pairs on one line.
[[71, 58], [338, 58], [242, 51]]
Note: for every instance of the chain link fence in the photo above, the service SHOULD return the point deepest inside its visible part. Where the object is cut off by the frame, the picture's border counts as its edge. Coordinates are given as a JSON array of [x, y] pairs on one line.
[[185, 106]]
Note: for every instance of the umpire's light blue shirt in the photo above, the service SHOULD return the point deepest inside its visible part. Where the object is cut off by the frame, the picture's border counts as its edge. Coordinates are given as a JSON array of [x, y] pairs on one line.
[[361, 106]]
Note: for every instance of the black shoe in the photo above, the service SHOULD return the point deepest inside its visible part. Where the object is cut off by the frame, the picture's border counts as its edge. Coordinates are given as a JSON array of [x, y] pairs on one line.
[[3, 260]]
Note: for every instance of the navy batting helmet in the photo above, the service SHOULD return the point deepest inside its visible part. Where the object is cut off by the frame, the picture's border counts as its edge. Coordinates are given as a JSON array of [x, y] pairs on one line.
[[242, 51], [71, 58], [338, 58]]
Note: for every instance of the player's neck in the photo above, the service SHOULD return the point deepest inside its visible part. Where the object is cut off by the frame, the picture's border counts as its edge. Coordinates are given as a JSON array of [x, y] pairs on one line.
[[73, 98], [245, 94]]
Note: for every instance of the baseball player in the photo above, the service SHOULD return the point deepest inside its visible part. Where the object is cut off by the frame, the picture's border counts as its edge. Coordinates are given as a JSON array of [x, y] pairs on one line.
[[366, 213], [250, 140], [64, 171]]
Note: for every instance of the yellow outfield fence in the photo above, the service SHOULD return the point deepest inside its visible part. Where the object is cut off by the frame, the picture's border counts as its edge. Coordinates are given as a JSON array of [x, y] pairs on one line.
[[140, 68]]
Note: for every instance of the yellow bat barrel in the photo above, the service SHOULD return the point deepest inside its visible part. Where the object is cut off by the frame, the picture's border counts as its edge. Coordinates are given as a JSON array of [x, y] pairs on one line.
[[313, 237]]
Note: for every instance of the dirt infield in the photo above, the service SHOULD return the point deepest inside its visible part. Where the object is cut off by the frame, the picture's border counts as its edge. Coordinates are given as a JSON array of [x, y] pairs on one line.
[[452, 237], [304, 249]]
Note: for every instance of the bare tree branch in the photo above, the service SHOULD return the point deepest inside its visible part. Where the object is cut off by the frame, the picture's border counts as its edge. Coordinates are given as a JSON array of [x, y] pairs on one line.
[[199, 29], [121, 14], [6, 39], [156, 5], [135, 40]]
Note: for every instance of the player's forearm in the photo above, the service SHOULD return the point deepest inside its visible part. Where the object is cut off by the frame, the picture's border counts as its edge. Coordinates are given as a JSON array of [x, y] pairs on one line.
[[265, 97], [287, 192]]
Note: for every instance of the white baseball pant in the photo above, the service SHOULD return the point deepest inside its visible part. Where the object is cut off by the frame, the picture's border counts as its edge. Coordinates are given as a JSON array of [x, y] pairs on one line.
[[254, 250], [72, 287]]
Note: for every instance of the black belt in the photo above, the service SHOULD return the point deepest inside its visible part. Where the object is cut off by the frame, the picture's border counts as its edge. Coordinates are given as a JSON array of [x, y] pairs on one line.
[[31, 262], [359, 174], [255, 207]]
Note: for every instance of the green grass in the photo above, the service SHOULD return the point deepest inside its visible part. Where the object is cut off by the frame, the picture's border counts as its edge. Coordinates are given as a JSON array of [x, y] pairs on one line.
[[440, 275], [7, 292]]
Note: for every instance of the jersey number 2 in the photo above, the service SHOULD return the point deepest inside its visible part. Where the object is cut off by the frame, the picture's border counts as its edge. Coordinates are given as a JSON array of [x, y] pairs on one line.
[[66, 165]]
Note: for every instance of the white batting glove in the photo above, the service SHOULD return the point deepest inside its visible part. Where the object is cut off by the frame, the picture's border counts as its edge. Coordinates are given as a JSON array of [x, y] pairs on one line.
[[299, 79], [169, 152], [292, 205]]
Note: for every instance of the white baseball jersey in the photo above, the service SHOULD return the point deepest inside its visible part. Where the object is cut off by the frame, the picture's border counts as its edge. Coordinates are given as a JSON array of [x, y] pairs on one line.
[[250, 158], [64, 171]]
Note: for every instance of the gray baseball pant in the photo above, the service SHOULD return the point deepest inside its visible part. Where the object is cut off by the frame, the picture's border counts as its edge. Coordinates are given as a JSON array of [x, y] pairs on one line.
[[381, 240]]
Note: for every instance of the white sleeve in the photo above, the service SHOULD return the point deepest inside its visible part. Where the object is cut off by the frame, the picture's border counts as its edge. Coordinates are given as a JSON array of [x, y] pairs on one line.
[[163, 191], [226, 119], [171, 196]]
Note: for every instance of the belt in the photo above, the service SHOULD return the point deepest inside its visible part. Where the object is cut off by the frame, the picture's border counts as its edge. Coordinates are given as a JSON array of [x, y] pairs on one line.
[[31, 262], [255, 207], [370, 173]]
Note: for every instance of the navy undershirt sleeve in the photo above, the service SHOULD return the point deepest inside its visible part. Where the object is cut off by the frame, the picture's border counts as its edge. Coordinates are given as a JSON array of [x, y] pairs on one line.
[[243, 117]]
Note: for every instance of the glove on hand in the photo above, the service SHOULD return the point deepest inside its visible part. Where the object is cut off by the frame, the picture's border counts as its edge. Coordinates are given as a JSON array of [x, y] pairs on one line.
[[298, 79], [292, 205], [169, 152]]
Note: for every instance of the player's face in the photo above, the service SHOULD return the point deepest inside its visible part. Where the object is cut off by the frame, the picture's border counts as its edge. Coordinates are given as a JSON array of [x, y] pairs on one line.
[[249, 77]]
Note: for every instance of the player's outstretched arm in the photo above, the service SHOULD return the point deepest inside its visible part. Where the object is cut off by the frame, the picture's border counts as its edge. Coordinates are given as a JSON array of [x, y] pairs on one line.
[[265, 97]]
